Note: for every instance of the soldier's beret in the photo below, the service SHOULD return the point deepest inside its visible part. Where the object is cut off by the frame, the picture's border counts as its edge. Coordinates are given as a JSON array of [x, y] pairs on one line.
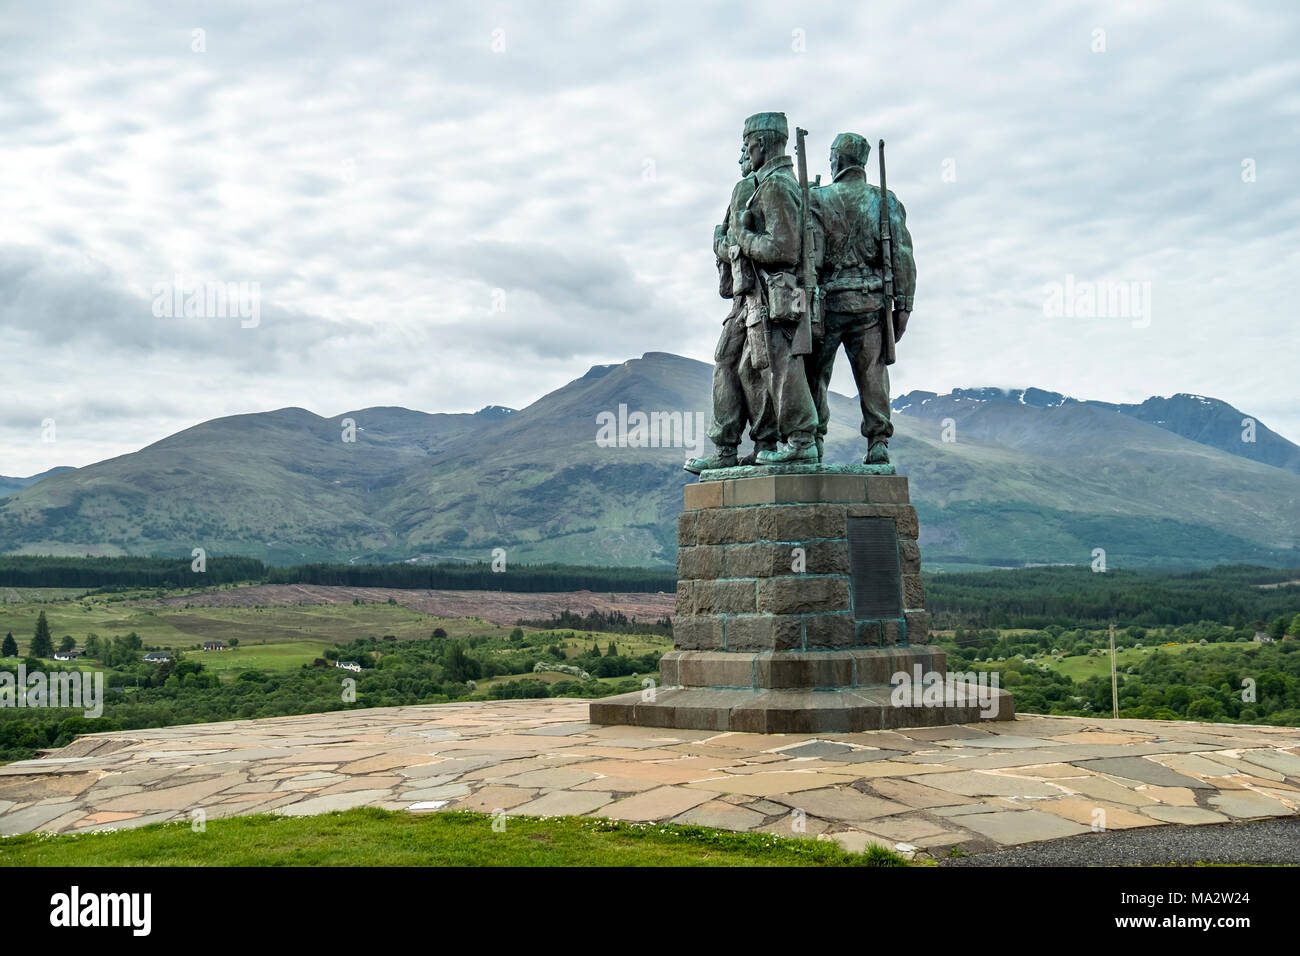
[[767, 122], [853, 147]]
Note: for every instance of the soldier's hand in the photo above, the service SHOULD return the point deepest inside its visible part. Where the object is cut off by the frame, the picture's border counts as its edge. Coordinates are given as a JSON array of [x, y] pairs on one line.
[[900, 324]]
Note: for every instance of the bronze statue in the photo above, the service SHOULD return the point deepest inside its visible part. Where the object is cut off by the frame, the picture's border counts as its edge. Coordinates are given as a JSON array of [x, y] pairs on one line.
[[808, 270], [852, 278], [779, 333], [740, 395]]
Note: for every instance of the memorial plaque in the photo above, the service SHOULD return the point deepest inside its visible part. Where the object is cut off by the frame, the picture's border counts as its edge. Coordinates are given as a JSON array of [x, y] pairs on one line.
[[875, 575]]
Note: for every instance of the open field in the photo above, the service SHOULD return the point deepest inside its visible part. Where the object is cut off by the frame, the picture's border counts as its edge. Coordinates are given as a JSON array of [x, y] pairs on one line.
[[39, 595], [178, 626], [271, 658], [498, 607], [1081, 668]]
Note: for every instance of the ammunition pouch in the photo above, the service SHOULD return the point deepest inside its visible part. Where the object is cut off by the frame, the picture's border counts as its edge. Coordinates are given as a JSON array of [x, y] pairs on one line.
[[756, 335], [724, 279], [742, 273], [785, 300]]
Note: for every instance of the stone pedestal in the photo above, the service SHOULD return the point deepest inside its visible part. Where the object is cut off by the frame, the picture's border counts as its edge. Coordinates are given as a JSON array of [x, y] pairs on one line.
[[799, 600]]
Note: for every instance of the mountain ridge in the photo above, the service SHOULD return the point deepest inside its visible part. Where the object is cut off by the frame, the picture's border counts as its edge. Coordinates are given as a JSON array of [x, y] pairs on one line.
[[998, 478]]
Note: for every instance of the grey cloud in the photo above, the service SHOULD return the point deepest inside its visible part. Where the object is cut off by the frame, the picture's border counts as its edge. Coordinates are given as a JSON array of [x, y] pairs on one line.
[[522, 170]]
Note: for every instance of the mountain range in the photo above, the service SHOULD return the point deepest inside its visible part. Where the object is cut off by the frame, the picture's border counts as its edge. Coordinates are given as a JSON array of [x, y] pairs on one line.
[[999, 478]]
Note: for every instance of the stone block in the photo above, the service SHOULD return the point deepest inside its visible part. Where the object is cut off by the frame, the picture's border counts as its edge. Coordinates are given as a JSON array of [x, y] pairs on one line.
[[670, 669], [764, 632], [909, 556], [918, 627], [904, 517], [793, 489], [705, 495], [887, 490], [724, 596], [828, 631], [700, 561], [697, 632], [722, 669], [891, 633], [685, 597], [725, 525], [806, 670], [759, 560], [803, 594], [913, 592], [687, 523], [867, 634], [800, 523]]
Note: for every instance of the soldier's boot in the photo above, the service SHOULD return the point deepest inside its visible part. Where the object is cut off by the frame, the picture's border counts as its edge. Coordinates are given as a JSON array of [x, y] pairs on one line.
[[877, 454], [759, 447], [821, 444], [801, 448], [724, 457]]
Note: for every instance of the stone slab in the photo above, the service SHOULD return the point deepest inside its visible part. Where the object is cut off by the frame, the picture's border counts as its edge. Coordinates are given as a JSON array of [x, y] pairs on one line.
[[1012, 827], [1141, 769], [658, 804]]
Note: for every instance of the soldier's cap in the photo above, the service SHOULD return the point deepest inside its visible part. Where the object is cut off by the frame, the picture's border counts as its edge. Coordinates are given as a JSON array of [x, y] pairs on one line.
[[852, 147], [767, 123]]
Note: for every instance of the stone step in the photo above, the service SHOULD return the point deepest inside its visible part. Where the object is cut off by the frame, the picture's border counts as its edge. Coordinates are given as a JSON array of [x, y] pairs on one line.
[[795, 669], [789, 711]]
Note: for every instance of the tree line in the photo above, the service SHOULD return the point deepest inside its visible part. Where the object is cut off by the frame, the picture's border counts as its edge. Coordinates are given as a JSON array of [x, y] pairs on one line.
[[30, 571], [1070, 596]]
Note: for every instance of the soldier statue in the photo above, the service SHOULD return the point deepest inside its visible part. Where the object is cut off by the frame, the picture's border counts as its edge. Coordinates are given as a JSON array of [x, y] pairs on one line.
[[808, 270], [740, 395], [779, 337], [854, 277]]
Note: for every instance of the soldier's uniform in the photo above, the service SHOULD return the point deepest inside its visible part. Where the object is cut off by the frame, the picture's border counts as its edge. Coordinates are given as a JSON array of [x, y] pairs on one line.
[[772, 243], [740, 395], [848, 215]]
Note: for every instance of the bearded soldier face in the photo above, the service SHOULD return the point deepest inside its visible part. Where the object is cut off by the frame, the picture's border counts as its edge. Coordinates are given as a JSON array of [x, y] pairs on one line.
[[755, 148]]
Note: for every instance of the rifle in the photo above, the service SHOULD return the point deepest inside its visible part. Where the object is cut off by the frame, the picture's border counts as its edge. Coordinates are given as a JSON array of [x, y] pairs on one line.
[[810, 324], [887, 269]]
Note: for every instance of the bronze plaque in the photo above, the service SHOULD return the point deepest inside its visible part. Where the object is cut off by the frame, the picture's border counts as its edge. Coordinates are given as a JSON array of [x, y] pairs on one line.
[[875, 575]]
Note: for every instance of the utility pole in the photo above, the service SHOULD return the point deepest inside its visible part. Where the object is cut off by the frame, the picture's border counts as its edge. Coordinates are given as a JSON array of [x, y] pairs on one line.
[[1114, 681]]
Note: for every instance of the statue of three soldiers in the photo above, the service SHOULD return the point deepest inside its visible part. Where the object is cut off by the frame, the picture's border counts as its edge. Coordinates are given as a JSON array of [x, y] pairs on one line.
[[807, 269]]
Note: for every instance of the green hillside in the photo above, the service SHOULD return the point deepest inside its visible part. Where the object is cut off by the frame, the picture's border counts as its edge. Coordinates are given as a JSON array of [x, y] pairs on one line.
[[1021, 483]]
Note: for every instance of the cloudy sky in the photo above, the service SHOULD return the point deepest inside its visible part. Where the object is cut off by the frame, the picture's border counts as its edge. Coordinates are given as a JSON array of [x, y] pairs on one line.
[[448, 206]]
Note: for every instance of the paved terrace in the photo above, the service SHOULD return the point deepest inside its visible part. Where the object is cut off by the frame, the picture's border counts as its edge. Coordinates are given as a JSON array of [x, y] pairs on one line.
[[979, 786]]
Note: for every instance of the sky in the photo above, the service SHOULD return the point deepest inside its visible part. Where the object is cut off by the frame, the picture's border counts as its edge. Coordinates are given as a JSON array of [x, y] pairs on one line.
[[456, 205]]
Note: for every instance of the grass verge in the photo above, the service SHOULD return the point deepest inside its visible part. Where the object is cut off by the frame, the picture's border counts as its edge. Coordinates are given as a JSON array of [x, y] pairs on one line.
[[367, 836]]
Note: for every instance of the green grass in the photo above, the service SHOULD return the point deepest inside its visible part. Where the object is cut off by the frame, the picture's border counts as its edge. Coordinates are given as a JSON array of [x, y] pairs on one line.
[[1083, 667], [368, 836], [268, 658]]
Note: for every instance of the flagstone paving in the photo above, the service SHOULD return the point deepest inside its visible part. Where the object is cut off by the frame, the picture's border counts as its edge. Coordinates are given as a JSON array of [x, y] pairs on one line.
[[925, 790]]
